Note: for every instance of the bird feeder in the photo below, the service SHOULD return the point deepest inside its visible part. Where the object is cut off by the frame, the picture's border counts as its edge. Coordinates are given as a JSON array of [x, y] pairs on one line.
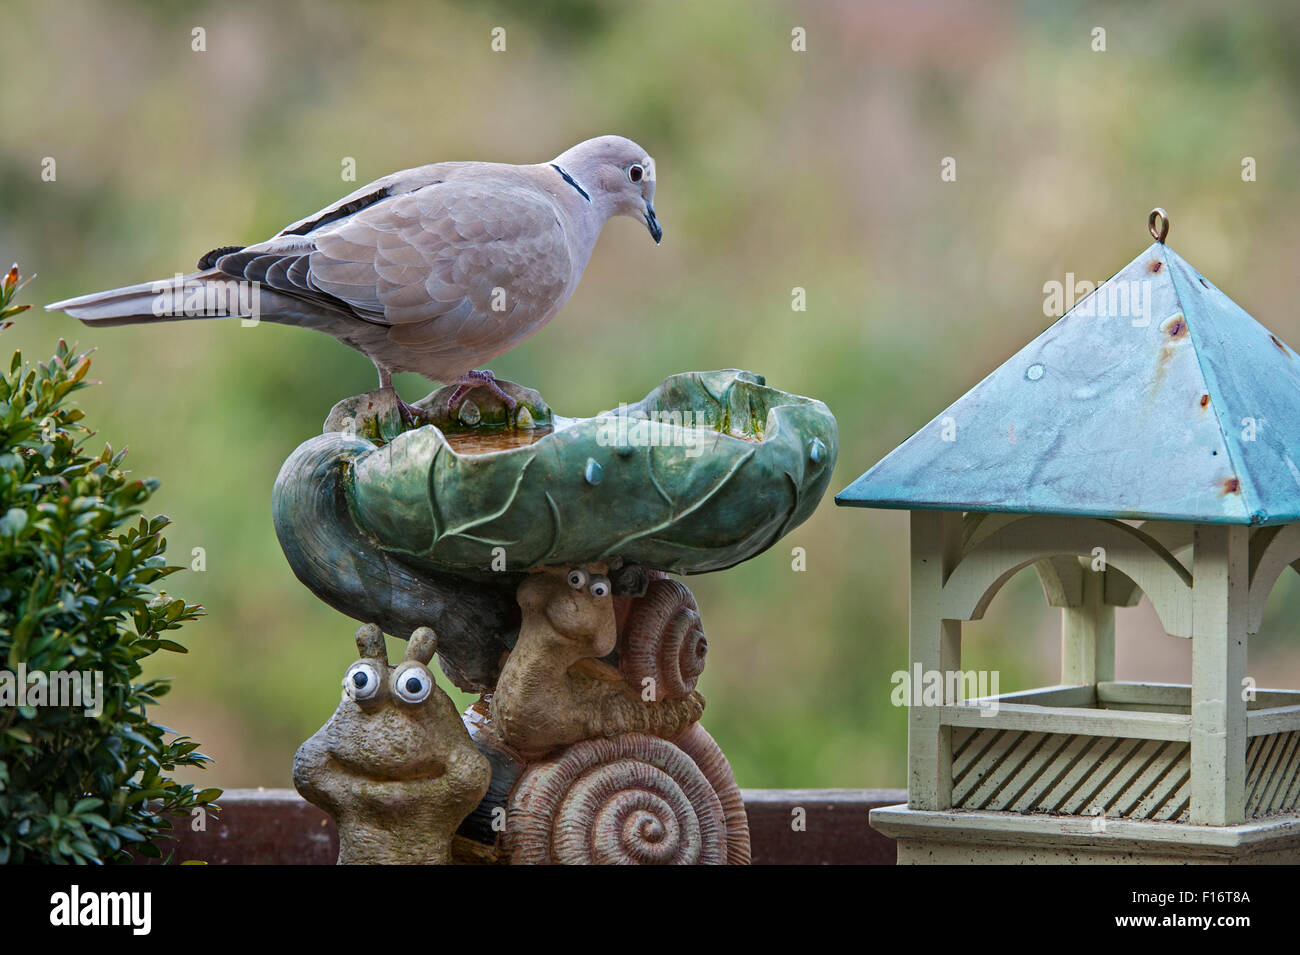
[[1146, 443]]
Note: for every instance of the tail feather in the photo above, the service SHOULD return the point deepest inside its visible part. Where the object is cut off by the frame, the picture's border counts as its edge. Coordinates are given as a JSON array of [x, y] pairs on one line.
[[206, 294]]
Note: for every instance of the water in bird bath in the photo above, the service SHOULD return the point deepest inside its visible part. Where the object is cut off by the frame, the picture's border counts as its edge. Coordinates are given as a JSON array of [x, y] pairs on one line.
[[488, 440]]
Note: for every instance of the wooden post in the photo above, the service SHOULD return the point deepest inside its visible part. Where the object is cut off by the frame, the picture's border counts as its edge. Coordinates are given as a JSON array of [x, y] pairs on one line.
[[1220, 599], [934, 645], [1088, 633]]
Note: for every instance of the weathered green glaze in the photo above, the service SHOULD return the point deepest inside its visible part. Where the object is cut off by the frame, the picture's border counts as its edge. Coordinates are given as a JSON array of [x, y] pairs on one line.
[[635, 483], [396, 528]]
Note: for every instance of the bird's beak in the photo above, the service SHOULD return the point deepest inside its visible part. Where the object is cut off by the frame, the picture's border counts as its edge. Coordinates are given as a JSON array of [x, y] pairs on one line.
[[652, 223]]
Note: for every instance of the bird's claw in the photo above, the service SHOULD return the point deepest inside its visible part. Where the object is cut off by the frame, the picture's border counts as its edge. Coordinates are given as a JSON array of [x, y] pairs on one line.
[[479, 379], [407, 413]]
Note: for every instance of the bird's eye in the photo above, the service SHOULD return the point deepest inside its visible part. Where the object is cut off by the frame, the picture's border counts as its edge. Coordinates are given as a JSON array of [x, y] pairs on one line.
[[361, 681], [412, 684], [599, 586], [635, 172], [577, 578]]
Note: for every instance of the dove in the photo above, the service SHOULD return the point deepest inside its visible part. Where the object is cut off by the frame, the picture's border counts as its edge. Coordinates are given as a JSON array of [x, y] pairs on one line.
[[437, 269]]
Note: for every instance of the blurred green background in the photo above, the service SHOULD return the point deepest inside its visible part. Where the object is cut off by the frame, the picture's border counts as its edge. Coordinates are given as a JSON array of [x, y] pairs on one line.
[[777, 169]]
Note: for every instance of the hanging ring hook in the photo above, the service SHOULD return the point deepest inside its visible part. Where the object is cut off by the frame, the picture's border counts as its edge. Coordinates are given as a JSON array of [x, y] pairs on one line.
[[1158, 233]]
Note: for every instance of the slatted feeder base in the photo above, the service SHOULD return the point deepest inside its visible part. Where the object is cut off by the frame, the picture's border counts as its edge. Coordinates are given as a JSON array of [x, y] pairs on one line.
[[1119, 456], [1021, 793], [1003, 838]]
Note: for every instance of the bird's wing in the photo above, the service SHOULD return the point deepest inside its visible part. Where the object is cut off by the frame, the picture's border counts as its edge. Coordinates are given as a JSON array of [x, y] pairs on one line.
[[443, 265], [394, 184]]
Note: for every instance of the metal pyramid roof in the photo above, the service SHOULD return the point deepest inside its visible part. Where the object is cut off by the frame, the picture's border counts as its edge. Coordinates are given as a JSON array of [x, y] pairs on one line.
[[1157, 397]]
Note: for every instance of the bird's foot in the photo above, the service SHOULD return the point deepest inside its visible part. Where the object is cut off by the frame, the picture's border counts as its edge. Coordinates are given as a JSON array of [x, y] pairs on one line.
[[478, 379], [409, 414]]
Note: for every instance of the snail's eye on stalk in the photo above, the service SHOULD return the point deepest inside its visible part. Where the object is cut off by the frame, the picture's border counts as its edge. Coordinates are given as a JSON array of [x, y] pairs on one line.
[[361, 681], [412, 685]]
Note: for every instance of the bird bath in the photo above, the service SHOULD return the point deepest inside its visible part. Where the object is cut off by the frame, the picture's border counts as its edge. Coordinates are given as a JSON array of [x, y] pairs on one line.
[[537, 548]]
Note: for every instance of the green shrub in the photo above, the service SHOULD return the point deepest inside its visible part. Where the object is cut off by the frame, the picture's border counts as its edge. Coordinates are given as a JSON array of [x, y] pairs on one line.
[[77, 571]]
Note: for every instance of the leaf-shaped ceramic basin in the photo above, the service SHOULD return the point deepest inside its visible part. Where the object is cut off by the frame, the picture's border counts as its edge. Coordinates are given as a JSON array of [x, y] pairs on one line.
[[435, 526], [707, 470]]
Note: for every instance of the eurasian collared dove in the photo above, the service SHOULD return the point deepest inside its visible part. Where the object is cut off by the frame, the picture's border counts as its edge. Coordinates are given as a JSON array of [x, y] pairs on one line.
[[436, 269]]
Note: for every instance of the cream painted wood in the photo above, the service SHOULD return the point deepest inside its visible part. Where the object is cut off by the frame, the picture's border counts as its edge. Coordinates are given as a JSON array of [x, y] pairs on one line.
[[1088, 631], [1180, 695], [1273, 719], [988, 565], [1039, 751], [1061, 577], [1120, 591], [1173, 536], [935, 644], [1220, 599], [1272, 550], [975, 527], [976, 837], [1063, 694], [1068, 719], [1200, 754], [1078, 774], [1156, 791], [1155, 694], [975, 787], [1092, 800], [1265, 699], [1061, 754], [1012, 771], [1147, 697], [1273, 774]]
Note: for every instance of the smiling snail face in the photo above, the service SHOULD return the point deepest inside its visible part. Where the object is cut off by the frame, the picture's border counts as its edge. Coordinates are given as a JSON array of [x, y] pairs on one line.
[[394, 765], [392, 721], [395, 738], [577, 602]]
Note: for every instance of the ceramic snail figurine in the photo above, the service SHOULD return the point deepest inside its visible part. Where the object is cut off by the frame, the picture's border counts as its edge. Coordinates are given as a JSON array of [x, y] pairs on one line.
[[598, 755], [634, 799], [661, 642], [394, 765], [555, 689]]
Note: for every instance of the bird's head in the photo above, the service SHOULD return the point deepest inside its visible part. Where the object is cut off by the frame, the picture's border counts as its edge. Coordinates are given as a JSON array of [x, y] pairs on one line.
[[615, 174]]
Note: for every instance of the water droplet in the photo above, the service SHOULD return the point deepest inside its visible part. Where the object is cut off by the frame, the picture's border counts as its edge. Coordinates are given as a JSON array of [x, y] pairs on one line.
[[524, 419], [1034, 373], [816, 451], [594, 472]]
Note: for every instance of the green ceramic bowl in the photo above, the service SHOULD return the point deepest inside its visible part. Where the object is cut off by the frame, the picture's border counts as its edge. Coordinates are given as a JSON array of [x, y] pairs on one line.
[[706, 471]]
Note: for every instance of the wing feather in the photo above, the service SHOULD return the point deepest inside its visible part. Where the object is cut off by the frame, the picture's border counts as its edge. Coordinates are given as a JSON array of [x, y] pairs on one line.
[[444, 265]]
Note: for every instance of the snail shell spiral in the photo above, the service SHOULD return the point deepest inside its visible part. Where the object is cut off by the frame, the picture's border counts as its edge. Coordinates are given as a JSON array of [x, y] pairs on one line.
[[630, 800], [663, 641], [700, 746]]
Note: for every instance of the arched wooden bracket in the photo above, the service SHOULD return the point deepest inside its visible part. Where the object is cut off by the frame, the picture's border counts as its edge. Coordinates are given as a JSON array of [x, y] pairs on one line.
[[991, 559], [1175, 537], [1060, 577], [1120, 590], [1272, 550], [1062, 580]]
